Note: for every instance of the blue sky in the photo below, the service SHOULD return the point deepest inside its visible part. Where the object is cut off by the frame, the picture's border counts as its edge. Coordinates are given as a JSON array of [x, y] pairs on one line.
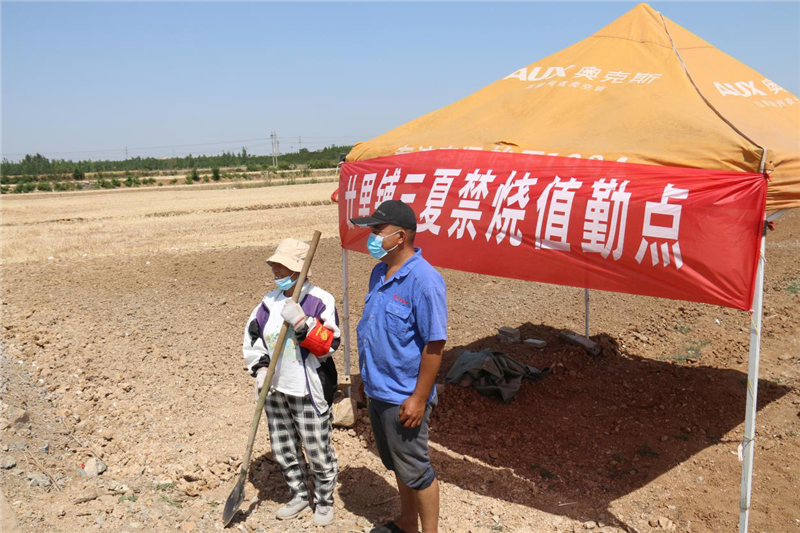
[[85, 80]]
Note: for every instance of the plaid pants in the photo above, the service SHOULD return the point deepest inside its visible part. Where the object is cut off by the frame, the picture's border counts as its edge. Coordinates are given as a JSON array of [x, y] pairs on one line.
[[294, 422]]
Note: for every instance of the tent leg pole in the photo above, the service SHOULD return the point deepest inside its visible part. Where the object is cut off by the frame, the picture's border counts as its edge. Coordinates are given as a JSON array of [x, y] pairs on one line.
[[748, 440], [586, 306], [346, 315]]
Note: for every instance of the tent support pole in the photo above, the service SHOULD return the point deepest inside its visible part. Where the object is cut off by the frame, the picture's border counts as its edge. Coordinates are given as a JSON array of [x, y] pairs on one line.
[[346, 316], [748, 440], [586, 306]]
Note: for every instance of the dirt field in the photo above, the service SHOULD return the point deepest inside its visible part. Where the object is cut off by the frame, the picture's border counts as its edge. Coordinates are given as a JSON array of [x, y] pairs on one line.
[[65, 226], [125, 346]]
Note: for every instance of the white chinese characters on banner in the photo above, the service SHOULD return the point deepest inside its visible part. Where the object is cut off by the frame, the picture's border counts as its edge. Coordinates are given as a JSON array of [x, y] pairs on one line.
[[604, 219], [411, 179], [443, 180], [468, 211], [350, 199], [365, 198], [599, 233], [554, 210], [505, 218], [387, 187], [666, 234]]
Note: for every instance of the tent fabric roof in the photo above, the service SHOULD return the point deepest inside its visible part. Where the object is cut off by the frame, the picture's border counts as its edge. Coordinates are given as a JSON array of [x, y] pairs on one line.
[[625, 94]]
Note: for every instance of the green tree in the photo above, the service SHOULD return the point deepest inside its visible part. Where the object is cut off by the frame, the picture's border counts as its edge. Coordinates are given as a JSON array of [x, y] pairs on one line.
[[39, 165]]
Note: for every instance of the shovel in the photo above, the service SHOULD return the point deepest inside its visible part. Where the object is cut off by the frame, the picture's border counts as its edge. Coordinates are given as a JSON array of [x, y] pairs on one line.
[[236, 496]]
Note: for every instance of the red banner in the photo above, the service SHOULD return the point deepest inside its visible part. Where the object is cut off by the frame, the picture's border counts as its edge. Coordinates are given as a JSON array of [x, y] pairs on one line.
[[678, 233]]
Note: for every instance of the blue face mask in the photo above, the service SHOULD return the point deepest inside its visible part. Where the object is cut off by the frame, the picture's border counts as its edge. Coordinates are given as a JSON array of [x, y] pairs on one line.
[[286, 283], [375, 245]]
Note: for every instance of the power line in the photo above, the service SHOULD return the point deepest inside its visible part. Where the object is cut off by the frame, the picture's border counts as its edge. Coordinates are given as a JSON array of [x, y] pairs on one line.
[[142, 148], [311, 141], [183, 153]]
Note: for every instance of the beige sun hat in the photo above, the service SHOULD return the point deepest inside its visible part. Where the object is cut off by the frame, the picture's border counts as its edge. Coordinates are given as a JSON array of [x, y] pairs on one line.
[[290, 253]]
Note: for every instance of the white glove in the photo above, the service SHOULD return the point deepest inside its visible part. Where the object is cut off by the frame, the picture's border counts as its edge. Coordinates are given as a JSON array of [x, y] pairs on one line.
[[261, 376], [293, 314]]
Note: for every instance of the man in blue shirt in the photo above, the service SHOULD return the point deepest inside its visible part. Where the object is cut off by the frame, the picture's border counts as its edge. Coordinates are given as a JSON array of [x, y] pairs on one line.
[[401, 337]]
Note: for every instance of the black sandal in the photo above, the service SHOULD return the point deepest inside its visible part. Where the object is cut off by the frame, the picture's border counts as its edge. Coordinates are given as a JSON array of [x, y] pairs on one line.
[[388, 527]]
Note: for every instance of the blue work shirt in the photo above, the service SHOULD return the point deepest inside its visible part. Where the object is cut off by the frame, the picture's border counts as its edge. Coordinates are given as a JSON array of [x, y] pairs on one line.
[[400, 317]]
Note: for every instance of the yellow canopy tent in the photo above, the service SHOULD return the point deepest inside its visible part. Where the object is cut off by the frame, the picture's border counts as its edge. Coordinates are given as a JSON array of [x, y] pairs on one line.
[[643, 90]]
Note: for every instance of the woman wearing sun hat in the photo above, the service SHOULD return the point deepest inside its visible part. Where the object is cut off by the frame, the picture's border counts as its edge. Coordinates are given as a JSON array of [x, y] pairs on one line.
[[298, 404]]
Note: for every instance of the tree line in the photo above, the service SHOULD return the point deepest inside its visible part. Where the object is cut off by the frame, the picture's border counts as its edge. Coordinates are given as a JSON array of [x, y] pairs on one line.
[[38, 164]]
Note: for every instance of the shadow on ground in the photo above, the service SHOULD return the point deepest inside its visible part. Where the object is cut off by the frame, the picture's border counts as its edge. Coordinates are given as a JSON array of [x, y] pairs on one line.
[[591, 432], [594, 430]]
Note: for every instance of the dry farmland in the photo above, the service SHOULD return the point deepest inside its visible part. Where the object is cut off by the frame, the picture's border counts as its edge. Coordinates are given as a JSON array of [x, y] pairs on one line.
[[131, 222], [122, 315]]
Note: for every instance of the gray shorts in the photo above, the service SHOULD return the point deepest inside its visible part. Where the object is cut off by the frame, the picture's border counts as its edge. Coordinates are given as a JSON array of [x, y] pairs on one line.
[[402, 450]]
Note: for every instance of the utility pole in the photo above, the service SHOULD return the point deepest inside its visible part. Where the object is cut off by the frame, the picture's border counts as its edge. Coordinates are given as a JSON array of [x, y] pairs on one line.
[[126, 152], [274, 137], [299, 143]]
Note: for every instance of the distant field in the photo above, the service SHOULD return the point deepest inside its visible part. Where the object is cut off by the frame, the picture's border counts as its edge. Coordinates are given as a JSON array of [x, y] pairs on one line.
[[36, 227]]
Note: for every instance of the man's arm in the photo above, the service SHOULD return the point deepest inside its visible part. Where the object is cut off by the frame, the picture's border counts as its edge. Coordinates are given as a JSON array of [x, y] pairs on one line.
[[413, 409]]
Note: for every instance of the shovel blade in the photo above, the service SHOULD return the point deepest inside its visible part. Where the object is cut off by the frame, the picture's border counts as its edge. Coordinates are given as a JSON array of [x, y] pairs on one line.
[[234, 500]]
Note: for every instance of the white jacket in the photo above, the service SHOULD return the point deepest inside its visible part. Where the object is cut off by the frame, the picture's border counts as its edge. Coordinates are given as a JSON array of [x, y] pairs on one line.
[[258, 343]]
